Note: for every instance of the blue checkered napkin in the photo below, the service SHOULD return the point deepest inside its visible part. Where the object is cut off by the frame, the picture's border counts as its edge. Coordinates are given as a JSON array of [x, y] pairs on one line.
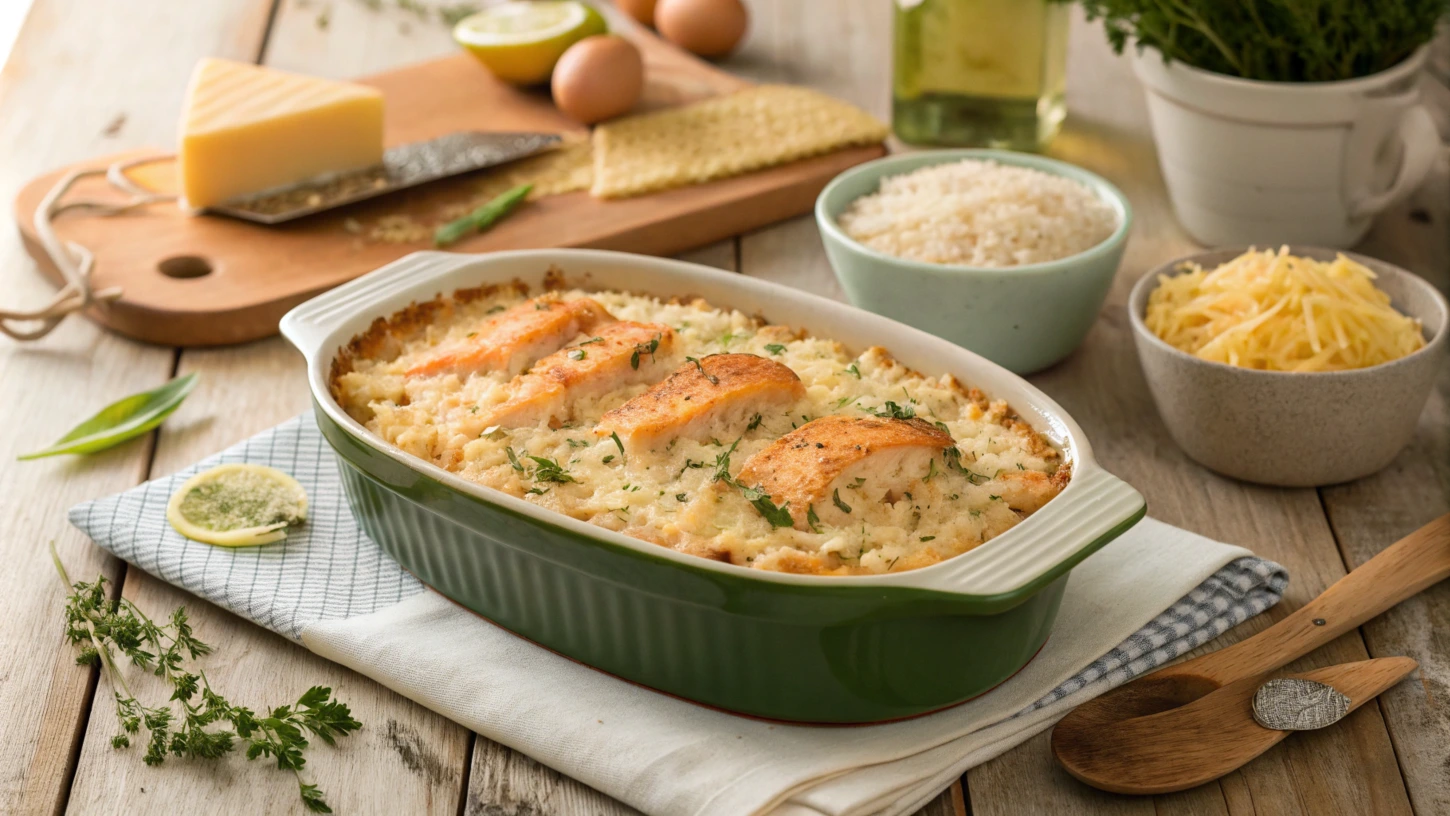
[[328, 569], [1238, 591]]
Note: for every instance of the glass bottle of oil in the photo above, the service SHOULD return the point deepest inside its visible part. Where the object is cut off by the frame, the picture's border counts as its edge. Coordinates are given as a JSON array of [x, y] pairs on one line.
[[979, 73]]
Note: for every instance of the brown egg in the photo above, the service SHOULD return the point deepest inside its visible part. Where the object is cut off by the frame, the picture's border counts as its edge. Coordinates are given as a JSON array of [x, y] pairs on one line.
[[598, 78], [710, 28], [641, 10]]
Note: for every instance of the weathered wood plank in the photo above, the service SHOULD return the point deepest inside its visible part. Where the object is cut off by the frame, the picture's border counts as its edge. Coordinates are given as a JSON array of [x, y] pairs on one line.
[[1372, 513], [70, 90], [405, 760]]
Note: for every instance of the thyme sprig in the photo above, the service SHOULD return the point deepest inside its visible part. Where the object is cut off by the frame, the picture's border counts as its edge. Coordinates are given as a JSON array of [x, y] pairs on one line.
[[100, 627]]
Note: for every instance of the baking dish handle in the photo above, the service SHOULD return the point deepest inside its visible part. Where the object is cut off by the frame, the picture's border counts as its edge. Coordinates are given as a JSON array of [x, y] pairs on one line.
[[309, 325], [1095, 508]]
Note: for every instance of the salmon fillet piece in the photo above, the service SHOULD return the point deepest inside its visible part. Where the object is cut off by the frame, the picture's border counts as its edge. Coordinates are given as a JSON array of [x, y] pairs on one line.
[[717, 396], [620, 354], [516, 338], [807, 466]]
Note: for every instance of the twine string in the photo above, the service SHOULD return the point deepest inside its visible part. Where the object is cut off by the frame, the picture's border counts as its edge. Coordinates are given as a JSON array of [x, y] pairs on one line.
[[74, 262]]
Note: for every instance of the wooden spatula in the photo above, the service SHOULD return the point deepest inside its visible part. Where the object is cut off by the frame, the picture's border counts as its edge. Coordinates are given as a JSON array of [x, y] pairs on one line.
[[1403, 569], [1196, 743]]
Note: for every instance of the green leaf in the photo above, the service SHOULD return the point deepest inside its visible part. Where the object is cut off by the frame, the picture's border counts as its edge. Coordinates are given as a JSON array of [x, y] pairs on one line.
[[482, 218], [124, 419]]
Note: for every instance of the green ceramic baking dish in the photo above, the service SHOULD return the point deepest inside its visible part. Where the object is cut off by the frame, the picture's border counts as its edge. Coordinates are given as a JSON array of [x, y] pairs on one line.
[[789, 647]]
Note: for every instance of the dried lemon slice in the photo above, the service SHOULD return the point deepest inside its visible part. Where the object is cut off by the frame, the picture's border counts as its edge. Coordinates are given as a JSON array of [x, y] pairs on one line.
[[237, 505]]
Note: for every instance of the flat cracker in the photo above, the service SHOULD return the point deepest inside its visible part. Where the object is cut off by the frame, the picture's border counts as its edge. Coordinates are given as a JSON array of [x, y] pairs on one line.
[[751, 129], [565, 169]]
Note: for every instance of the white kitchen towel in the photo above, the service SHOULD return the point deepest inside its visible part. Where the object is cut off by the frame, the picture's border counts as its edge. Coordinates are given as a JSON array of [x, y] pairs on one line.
[[1143, 600]]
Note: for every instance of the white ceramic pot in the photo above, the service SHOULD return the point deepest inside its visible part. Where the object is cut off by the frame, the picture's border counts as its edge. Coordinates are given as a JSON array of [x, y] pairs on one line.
[[1271, 163]]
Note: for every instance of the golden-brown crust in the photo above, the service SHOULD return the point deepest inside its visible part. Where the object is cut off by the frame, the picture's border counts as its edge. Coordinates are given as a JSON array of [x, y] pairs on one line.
[[697, 388]]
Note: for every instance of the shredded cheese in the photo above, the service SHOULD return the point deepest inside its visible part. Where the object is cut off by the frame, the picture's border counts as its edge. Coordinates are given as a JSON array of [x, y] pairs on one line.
[[1279, 312]]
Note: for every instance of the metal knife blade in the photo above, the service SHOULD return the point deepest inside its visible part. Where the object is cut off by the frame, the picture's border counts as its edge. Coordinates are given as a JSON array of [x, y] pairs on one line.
[[403, 166]]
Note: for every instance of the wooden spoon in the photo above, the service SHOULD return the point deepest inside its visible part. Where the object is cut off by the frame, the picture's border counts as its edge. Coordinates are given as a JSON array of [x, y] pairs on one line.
[[1415, 562], [1199, 742]]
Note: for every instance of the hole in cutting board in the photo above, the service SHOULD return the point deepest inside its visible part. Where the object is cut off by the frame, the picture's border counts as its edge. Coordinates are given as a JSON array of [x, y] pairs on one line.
[[185, 266]]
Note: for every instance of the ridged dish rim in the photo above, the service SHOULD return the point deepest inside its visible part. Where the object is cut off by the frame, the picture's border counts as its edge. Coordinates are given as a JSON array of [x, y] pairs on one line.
[[1093, 509]]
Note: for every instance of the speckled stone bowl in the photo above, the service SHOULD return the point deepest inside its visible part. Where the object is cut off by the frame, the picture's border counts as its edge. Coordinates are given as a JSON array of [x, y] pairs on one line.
[[1294, 430]]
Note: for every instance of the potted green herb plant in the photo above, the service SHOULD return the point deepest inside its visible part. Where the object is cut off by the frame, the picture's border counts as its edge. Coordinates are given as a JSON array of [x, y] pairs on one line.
[[1282, 121]]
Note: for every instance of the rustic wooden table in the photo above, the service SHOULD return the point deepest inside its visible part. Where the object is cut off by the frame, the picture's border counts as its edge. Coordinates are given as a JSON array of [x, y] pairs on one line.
[[88, 78]]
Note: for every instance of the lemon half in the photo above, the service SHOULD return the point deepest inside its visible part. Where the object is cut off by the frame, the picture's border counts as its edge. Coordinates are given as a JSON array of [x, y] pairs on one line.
[[520, 41], [237, 505]]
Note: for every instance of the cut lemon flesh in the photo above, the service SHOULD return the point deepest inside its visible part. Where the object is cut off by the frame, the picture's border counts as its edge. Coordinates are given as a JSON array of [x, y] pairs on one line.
[[520, 41], [237, 505]]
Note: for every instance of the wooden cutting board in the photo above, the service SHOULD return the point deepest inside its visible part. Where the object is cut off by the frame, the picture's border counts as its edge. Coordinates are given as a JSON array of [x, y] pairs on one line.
[[251, 274]]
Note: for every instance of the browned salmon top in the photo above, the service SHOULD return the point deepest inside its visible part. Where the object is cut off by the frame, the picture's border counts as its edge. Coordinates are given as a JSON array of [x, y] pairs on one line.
[[804, 466], [516, 338], [620, 354], [710, 397]]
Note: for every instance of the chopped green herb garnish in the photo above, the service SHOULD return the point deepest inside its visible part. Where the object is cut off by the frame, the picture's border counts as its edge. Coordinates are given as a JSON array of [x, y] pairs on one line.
[[710, 378], [892, 411], [536, 491], [857, 482], [777, 516], [513, 458], [953, 458], [926, 538], [754, 422], [681, 497], [618, 444], [577, 354], [853, 371], [577, 443], [644, 348], [775, 348], [840, 505], [930, 471], [547, 470], [592, 340], [722, 464], [812, 519], [606, 460]]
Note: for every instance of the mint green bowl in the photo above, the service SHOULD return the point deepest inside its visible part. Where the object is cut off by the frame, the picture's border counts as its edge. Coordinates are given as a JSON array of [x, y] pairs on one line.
[[790, 647], [1024, 318]]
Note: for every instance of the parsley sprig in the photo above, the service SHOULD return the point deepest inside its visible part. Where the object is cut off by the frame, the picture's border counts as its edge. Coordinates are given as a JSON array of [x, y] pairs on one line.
[[545, 469], [778, 516], [100, 627]]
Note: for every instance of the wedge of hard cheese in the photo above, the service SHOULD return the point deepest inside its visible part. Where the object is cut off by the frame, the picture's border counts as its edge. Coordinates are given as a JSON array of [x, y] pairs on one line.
[[246, 129]]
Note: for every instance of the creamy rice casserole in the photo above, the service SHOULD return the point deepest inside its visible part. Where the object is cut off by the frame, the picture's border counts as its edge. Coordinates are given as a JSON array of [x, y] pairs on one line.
[[699, 428]]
